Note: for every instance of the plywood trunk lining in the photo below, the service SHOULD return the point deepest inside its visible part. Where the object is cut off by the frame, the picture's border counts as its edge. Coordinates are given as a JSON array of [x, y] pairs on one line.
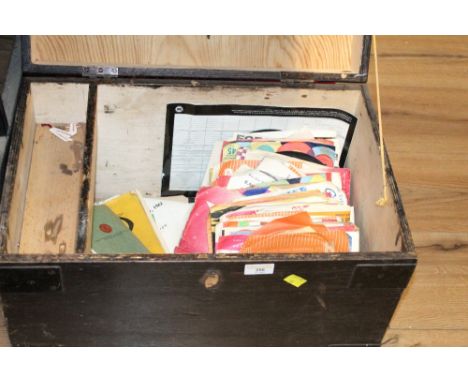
[[53, 193], [43, 210], [59, 103], [325, 54], [380, 228], [131, 124], [127, 151], [15, 217]]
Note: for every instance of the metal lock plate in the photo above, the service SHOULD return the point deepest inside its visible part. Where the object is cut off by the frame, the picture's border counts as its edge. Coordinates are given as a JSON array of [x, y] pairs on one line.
[[100, 71]]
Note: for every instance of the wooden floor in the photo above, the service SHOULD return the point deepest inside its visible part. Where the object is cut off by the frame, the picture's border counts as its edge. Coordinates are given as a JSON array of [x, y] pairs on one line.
[[424, 92]]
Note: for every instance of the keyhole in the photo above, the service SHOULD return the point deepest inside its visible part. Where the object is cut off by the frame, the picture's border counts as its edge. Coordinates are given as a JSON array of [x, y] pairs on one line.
[[211, 279]]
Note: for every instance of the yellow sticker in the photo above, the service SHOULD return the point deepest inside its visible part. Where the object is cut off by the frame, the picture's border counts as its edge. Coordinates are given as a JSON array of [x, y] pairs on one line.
[[295, 280]]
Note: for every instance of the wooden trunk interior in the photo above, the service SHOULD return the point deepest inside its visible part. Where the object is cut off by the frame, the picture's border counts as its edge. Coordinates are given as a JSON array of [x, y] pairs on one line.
[[129, 138], [319, 54]]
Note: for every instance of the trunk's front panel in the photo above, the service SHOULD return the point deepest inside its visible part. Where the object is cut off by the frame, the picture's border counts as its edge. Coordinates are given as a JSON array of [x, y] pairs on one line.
[[203, 304]]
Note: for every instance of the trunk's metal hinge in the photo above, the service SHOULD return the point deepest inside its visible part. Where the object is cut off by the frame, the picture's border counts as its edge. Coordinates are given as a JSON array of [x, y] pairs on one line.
[[100, 71]]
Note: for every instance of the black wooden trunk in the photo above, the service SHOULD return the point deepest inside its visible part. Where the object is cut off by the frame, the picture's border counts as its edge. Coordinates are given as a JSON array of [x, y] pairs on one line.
[[199, 300]]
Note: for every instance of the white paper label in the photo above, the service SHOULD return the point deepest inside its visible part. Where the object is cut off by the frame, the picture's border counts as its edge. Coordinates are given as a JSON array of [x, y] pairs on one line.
[[259, 269]]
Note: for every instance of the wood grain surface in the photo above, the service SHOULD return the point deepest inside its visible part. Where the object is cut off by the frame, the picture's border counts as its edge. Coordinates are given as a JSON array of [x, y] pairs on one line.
[[423, 91], [22, 178], [330, 54], [52, 199]]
